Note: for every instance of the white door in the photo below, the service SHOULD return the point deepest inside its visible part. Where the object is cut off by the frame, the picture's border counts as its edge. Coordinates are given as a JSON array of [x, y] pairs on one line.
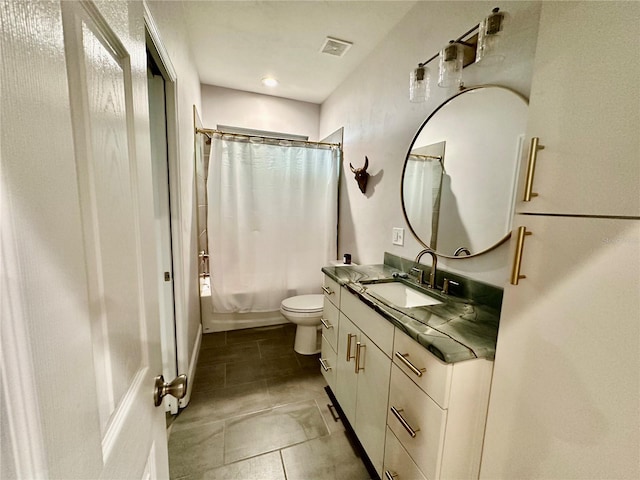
[[80, 335]]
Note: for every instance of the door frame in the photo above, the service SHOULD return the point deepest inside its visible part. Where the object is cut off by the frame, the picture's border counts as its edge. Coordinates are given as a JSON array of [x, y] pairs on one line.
[[178, 348]]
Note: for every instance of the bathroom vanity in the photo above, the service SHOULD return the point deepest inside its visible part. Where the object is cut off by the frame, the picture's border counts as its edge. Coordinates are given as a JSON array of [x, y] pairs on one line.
[[412, 380]]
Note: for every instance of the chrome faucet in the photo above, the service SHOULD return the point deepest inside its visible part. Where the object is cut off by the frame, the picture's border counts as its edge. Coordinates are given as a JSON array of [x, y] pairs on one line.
[[434, 265]]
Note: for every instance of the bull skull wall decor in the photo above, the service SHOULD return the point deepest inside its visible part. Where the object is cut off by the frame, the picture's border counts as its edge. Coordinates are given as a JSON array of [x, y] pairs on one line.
[[361, 175]]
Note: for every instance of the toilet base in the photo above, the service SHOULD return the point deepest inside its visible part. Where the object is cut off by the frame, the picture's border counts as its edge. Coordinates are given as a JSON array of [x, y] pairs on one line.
[[306, 342]]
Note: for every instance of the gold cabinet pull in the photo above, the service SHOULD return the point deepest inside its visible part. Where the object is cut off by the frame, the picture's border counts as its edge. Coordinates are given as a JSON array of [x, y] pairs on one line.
[[324, 365], [398, 413], [411, 366], [349, 356], [531, 167], [390, 475], [359, 348], [326, 324], [327, 290], [517, 260]]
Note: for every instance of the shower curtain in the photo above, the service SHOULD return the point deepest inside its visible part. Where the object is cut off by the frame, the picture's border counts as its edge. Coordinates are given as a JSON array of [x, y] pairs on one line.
[[422, 188], [272, 221]]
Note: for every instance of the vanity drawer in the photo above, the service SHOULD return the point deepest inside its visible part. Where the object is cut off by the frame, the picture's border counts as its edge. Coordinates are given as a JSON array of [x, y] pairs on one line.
[[331, 290], [398, 465], [330, 318], [431, 374], [372, 324], [417, 411], [328, 358]]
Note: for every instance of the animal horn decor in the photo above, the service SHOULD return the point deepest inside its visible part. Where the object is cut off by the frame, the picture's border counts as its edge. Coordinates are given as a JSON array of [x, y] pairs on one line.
[[361, 175]]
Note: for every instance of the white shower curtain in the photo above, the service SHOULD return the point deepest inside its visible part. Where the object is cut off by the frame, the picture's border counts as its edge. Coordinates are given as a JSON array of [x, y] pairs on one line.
[[272, 221], [421, 189]]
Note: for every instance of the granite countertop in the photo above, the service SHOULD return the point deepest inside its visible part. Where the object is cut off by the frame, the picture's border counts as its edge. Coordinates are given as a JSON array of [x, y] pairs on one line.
[[458, 329]]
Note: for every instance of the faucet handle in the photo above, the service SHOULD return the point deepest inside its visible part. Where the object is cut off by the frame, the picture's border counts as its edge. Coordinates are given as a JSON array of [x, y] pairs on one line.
[[418, 273], [447, 283]]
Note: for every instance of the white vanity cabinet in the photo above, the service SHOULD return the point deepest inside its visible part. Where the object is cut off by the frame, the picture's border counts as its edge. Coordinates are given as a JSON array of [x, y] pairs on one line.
[[584, 108], [363, 371], [437, 410]]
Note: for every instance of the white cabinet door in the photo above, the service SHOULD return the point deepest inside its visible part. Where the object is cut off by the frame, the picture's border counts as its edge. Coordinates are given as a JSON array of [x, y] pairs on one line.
[[80, 334], [346, 380], [564, 398], [584, 107], [371, 399]]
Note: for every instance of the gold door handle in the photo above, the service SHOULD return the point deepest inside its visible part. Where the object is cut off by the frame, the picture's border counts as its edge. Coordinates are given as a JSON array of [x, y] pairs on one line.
[[411, 366], [327, 290], [398, 414], [359, 348], [349, 337], [326, 324], [517, 260], [531, 167], [324, 365]]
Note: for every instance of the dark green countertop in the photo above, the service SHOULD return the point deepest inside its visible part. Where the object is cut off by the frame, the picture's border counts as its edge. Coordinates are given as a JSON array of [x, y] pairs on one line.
[[458, 329]]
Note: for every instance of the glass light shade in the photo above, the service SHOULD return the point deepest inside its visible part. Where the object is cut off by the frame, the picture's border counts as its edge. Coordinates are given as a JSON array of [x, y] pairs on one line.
[[450, 71], [489, 38], [419, 80]]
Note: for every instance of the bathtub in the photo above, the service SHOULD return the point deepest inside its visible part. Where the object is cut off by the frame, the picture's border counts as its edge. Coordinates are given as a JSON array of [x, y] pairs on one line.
[[222, 322]]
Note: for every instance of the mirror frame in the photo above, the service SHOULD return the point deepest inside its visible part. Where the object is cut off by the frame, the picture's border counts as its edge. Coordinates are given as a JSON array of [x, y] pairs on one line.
[[404, 169]]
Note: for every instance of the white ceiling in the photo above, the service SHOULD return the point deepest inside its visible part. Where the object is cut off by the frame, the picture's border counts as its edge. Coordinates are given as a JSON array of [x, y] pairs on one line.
[[237, 43]]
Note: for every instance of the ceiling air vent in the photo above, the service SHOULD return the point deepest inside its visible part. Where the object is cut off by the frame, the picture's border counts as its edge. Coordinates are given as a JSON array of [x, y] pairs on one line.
[[333, 46]]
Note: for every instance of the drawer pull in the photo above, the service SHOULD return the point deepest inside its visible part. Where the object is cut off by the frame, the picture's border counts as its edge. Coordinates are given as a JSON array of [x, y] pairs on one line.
[[405, 424], [324, 365], [390, 475], [349, 337], [517, 260], [332, 409], [411, 366], [326, 324], [531, 168], [327, 290], [359, 348]]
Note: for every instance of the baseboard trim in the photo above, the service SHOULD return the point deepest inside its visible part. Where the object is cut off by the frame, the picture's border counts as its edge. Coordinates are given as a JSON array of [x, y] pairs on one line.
[[192, 368]]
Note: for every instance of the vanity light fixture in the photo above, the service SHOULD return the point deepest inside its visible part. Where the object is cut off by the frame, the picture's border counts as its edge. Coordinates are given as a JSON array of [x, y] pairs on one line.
[[489, 35], [450, 65], [419, 88], [460, 53]]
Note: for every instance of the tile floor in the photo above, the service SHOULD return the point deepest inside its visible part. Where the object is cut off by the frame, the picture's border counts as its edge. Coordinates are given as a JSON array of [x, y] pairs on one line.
[[259, 411]]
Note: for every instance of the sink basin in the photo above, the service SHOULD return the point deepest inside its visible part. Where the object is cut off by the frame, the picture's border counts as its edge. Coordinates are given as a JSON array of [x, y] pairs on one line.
[[400, 295]]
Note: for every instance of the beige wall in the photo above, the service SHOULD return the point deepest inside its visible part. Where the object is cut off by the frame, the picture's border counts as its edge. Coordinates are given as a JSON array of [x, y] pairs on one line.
[[225, 106], [379, 121], [170, 22]]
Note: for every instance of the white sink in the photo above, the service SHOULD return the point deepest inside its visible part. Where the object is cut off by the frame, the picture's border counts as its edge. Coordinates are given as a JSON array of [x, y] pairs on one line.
[[400, 295]]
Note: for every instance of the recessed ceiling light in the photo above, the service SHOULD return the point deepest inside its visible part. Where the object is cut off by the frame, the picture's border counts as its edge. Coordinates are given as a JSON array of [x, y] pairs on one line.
[[269, 82]]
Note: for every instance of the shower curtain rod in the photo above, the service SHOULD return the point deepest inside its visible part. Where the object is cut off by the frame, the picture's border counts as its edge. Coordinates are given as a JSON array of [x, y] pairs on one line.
[[208, 132]]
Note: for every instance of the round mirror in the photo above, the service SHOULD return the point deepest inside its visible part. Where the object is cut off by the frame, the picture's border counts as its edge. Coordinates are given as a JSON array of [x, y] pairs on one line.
[[459, 177]]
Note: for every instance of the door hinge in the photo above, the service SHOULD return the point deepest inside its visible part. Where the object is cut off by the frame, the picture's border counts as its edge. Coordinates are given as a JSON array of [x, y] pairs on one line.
[[167, 276]]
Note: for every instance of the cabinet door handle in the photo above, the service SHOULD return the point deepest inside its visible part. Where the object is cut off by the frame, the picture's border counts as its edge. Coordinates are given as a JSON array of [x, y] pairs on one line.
[[349, 337], [531, 167], [390, 475], [326, 324], [405, 424], [327, 290], [324, 365], [411, 366], [359, 348], [517, 260]]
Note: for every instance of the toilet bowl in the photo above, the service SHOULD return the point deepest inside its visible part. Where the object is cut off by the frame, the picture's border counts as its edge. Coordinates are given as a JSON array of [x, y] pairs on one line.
[[305, 311]]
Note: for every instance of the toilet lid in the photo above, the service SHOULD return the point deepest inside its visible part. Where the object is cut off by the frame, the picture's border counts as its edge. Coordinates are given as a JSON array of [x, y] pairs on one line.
[[303, 303]]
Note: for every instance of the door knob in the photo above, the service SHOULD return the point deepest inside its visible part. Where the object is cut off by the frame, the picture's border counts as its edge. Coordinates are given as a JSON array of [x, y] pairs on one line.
[[177, 388]]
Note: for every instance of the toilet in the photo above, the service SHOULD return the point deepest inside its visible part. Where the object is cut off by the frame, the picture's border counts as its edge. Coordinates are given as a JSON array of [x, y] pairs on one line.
[[305, 311]]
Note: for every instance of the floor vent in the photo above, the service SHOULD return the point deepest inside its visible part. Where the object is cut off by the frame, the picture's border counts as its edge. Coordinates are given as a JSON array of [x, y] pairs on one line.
[[333, 46]]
